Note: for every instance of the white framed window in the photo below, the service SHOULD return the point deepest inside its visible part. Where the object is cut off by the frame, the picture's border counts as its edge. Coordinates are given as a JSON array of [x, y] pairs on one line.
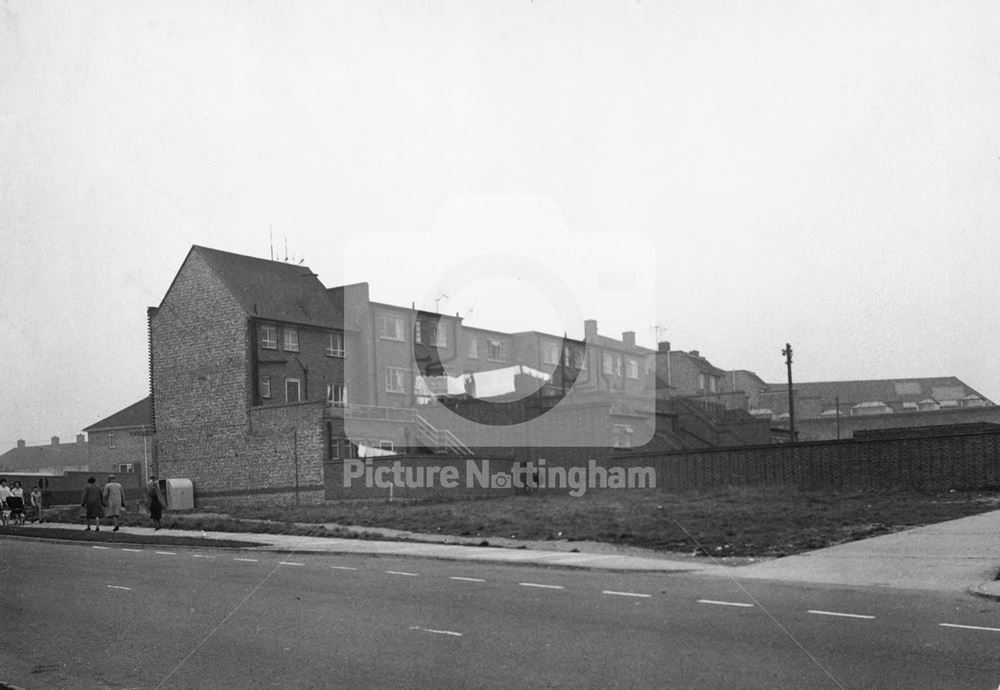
[[386, 445], [631, 368], [473, 347], [293, 391], [575, 357], [336, 394], [618, 365], [621, 436], [291, 339], [395, 380], [391, 327], [608, 363], [713, 384], [701, 382], [126, 468], [550, 353], [111, 439], [265, 387], [335, 345], [431, 333], [497, 350], [269, 337]]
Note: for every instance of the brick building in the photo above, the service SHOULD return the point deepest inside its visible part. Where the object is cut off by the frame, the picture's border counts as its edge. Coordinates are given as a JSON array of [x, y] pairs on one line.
[[122, 442]]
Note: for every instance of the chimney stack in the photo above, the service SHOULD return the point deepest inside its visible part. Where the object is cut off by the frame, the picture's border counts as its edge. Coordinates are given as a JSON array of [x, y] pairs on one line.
[[663, 346], [590, 328], [20, 443], [695, 353], [628, 337], [80, 438], [55, 440]]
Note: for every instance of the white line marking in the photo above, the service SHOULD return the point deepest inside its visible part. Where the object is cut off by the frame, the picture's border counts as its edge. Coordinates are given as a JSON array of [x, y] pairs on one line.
[[290, 563], [725, 603], [467, 579], [535, 584], [399, 572], [166, 553], [246, 560], [118, 587], [439, 632], [968, 627], [133, 550], [342, 567], [198, 555], [100, 547], [842, 615], [625, 594]]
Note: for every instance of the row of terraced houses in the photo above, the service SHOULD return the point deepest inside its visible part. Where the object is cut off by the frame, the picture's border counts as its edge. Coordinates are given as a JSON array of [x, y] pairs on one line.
[[263, 380]]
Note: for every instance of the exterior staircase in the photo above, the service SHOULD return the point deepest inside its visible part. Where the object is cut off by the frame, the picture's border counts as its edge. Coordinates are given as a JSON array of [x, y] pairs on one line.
[[439, 440]]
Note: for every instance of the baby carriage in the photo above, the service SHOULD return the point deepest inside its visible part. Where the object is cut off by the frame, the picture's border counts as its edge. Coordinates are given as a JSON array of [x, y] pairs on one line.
[[15, 504]]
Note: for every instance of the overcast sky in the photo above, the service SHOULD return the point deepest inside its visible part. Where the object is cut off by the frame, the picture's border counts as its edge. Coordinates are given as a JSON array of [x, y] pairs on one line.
[[824, 174]]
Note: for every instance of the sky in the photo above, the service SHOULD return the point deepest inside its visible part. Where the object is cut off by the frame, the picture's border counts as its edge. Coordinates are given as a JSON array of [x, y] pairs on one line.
[[729, 177]]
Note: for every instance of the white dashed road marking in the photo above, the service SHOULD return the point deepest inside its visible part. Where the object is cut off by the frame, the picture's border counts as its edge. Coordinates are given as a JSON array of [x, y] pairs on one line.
[[118, 587], [100, 547], [290, 563], [166, 553], [725, 603], [342, 567], [400, 572], [133, 550], [198, 555], [625, 594], [246, 560], [535, 584], [467, 579], [968, 627], [438, 632], [842, 615]]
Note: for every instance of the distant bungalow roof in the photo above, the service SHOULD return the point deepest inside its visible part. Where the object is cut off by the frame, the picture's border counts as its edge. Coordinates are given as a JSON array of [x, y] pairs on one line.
[[135, 415]]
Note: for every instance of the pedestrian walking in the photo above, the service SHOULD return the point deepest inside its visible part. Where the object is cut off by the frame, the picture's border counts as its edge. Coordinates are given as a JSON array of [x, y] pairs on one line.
[[16, 503], [154, 501], [114, 497], [4, 495], [36, 502], [93, 501]]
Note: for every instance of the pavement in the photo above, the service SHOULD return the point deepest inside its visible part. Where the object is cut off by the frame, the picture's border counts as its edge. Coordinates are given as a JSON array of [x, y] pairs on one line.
[[955, 556]]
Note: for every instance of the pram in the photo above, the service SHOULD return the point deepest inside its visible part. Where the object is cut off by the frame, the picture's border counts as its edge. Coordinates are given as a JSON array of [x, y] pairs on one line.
[[15, 504]]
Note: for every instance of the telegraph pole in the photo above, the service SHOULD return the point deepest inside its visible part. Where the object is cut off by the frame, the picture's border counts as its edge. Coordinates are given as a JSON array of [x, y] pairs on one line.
[[787, 352]]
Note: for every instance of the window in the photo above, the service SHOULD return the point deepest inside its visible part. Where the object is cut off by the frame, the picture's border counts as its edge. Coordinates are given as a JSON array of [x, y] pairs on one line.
[[390, 327], [621, 436], [575, 357], [269, 337], [291, 343], [618, 365], [713, 384], [395, 380], [386, 445], [608, 363], [473, 347], [497, 350], [431, 333], [550, 353], [631, 368], [336, 395], [111, 439], [126, 468], [335, 347], [292, 391], [265, 387]]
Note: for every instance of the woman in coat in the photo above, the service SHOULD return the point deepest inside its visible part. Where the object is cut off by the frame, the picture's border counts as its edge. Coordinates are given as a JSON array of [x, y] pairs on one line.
[[114, 497], [94, 503]]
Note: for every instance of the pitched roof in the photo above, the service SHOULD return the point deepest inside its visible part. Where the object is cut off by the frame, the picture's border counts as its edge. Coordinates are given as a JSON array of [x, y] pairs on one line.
[[136, 414], [274, 290], [884, 390]]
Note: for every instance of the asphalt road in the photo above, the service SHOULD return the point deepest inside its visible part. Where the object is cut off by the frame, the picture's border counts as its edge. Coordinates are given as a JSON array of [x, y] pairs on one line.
[[79, 616]]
